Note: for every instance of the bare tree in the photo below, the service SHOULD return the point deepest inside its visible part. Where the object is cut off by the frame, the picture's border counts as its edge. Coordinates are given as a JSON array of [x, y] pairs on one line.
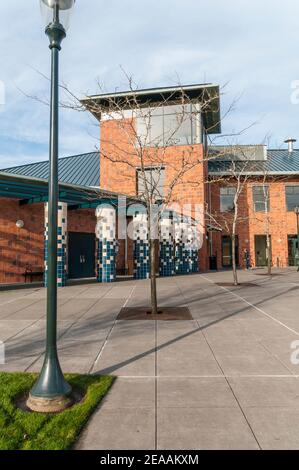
[[144, 151], [264, 214], [235, 175]]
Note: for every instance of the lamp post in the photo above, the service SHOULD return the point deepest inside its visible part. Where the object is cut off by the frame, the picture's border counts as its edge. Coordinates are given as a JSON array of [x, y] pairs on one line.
[[51, 392], [296, 210]]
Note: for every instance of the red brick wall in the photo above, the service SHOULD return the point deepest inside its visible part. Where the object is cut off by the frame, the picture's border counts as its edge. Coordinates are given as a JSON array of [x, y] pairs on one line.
[[281, 222], [20, 247], [119, 161], [25, 247]]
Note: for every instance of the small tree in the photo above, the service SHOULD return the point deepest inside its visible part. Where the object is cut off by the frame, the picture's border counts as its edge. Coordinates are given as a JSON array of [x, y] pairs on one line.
[[235, 173], [264, 215], [144, 150]]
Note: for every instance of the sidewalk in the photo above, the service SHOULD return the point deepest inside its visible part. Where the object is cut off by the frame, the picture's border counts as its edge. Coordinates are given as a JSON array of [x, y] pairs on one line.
[[223, 380]]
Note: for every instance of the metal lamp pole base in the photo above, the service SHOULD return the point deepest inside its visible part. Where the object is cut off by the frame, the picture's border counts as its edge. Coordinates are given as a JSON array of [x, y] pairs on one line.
[[50, 405]]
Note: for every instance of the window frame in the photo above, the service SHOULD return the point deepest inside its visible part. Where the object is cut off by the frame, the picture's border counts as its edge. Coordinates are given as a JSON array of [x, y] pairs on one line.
[[194, 120], [222, 195], [291, 185], [150, 169], [262, 202]]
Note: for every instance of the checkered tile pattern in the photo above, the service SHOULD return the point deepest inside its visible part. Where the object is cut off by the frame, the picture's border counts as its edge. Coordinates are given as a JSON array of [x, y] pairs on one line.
[[167, 247], [193, 261], [106, 265], [141, 247], [182, 265], [193, 250], [61, 245], [106, 245]]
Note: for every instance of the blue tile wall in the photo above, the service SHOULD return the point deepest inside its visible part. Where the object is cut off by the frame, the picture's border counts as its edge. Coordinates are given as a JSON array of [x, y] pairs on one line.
[[61, 245], [106, 244], [141, 259], [167, 246], [141, 250], [106, 261]]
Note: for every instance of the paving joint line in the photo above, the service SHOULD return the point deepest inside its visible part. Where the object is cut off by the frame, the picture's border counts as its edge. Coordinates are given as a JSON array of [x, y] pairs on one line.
[[253, 306], [227, 381], [72, 324], [109, 333]]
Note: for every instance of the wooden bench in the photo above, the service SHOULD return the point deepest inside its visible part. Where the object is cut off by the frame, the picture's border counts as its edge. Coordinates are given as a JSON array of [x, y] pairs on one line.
[[32, 273]]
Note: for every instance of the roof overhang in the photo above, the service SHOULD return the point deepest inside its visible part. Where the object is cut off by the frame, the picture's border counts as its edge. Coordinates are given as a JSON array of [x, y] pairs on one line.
[[255, 173], [206, 93], [35, 190]]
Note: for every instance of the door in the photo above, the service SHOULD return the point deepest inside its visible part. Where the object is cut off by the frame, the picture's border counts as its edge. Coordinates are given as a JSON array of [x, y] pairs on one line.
[[227, 251], [261, 252], [293, 250], [81, 255]]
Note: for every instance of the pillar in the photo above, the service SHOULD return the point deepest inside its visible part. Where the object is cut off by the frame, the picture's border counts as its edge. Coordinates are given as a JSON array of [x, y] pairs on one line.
[[61, 245], [193, 249], [182, 248], [167, 248], [141, 247], [106, 244]]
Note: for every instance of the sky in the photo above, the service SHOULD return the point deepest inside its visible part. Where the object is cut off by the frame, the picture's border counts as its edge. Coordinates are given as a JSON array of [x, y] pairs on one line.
[[247, 47]]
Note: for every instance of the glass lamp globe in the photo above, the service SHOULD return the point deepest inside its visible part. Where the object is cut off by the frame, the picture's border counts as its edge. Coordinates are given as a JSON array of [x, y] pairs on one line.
[[57, 11]]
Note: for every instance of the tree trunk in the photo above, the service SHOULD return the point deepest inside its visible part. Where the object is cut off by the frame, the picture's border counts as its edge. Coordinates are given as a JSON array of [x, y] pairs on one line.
[[235, 274], [154, 302]]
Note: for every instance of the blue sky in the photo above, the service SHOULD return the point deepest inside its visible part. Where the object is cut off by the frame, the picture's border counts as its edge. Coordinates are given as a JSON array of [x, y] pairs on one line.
[[249, 47]]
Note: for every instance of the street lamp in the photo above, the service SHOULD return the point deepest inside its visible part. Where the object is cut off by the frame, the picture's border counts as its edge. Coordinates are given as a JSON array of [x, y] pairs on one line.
[[51, 392], [296, 210]]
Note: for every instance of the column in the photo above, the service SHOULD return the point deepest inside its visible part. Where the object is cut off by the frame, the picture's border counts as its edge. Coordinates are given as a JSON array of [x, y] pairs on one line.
[[193, 249], [141, 247], [61, 245], [106, 244], [182, 248], [167, 261]]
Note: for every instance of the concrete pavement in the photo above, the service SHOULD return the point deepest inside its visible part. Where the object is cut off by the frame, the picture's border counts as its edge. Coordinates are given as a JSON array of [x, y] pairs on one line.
[[223, 380]]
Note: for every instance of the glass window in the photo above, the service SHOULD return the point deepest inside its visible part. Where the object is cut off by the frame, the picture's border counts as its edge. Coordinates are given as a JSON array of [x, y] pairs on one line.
[[292, 197], [261, 198], [170, 125], [293, 249], [227, 196], [156, 131], [153, 179]]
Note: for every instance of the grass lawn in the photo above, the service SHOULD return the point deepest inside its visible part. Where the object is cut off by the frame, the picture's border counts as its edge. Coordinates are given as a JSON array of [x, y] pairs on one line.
[[21, 430]]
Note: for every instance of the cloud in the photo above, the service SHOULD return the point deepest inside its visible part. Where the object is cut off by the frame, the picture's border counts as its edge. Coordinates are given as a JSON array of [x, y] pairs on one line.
[[249, 44]]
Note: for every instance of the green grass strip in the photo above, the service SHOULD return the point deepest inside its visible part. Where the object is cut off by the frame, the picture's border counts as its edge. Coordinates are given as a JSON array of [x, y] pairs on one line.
[[20, 430]]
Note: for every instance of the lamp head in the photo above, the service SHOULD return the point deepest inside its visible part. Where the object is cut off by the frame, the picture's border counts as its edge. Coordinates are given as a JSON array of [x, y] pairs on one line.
[[57, 11]]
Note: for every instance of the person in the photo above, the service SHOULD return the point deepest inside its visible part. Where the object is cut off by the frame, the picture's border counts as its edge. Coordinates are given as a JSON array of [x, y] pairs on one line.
[[247, 259]]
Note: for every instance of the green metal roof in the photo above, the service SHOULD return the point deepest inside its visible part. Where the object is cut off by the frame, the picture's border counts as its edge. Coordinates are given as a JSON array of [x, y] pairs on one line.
[[278, 162], [80, 170]]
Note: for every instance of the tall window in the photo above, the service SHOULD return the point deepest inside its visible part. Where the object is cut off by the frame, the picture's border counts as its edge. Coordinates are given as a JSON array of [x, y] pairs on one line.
[[170, 125], [227, 195], [292, 197], [152, 179], [261, 198], [293, 249]]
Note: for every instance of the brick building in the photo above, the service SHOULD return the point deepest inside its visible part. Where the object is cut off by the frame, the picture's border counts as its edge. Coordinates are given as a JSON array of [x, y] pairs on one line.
[[101, 178], [267, 204]]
